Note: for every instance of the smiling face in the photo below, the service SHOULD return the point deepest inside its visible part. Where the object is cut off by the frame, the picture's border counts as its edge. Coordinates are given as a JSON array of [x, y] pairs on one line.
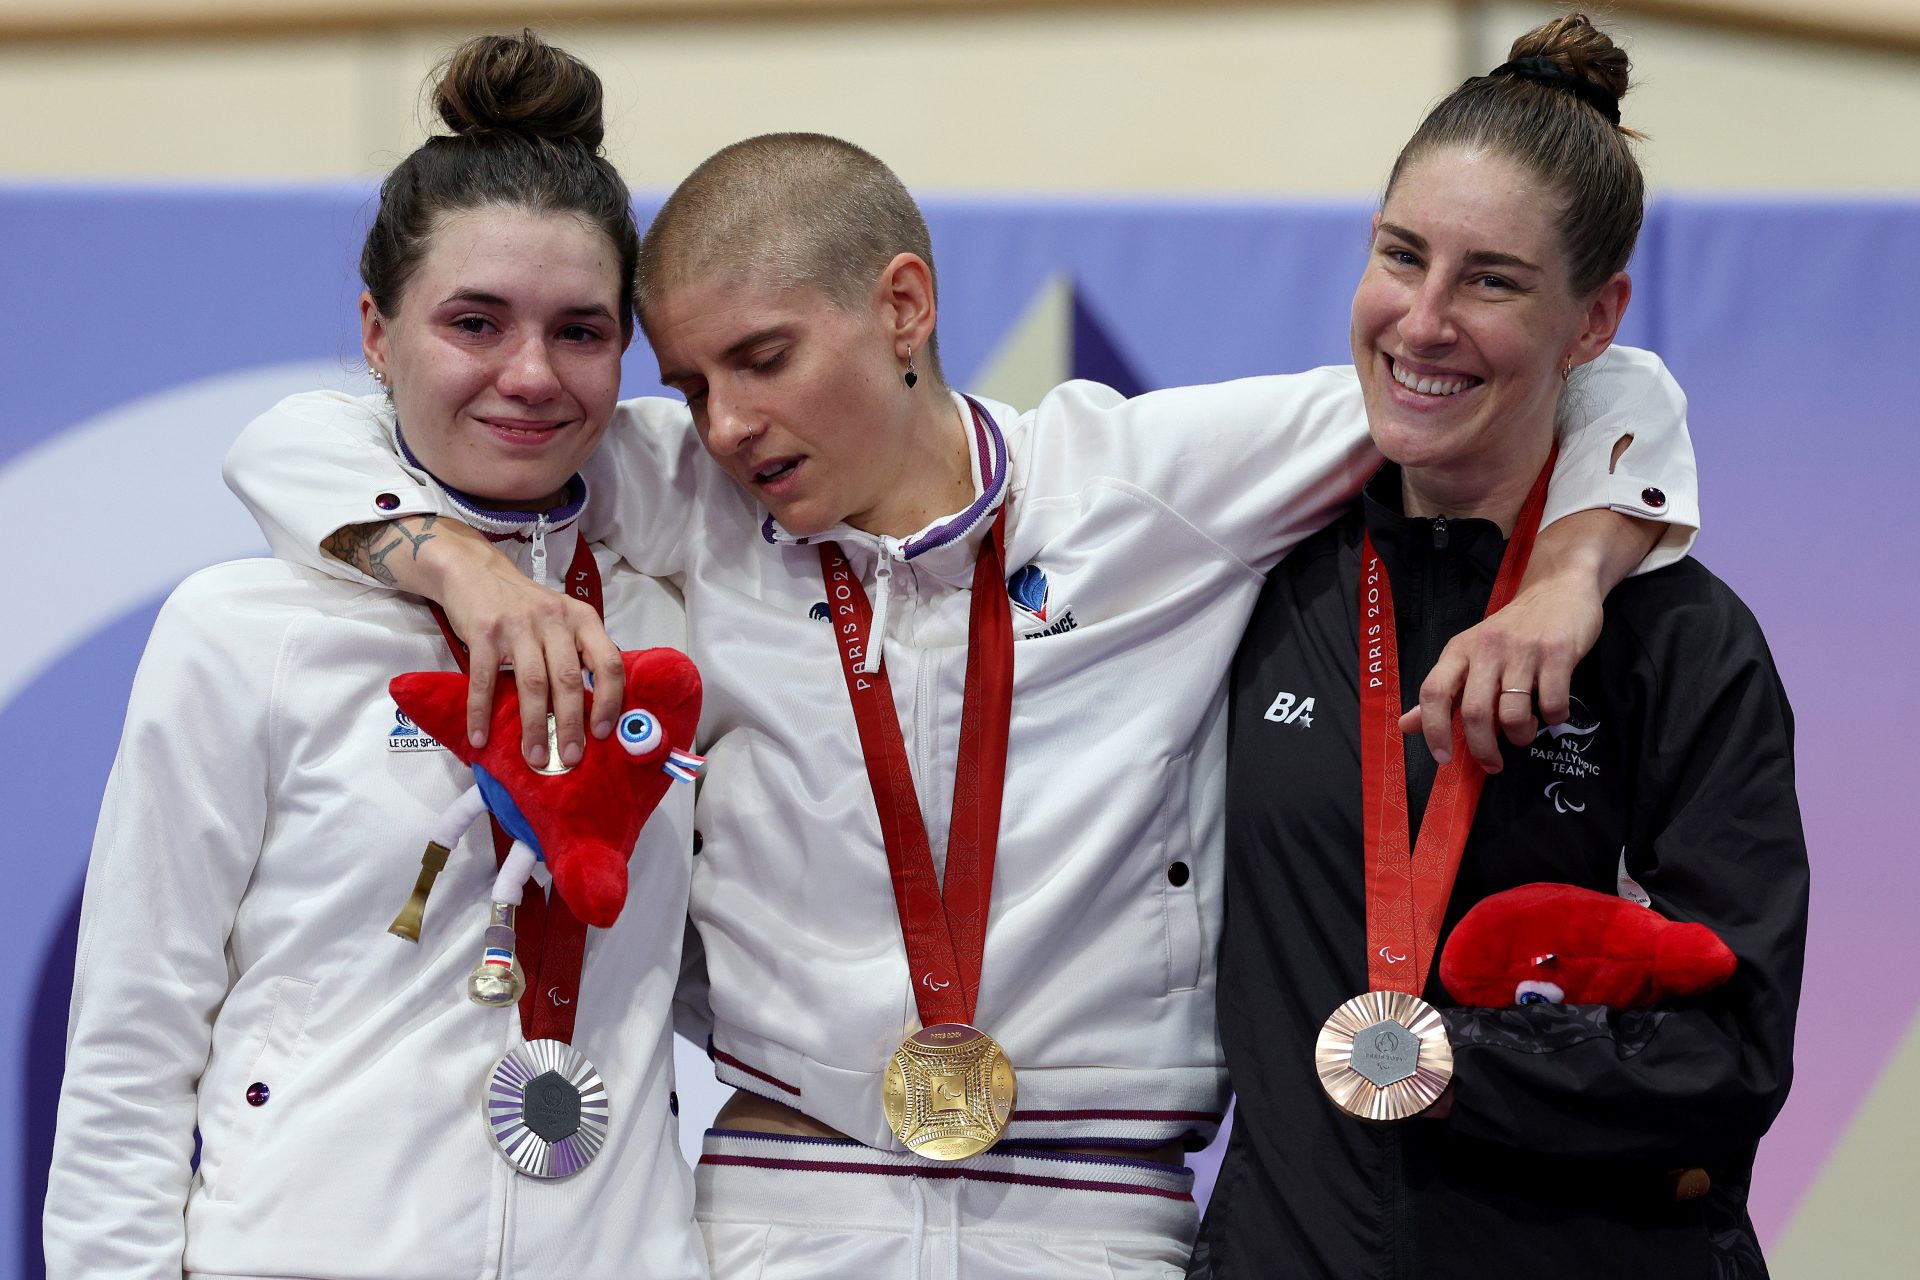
[[1464, 319], [801, 400], [504, 359]]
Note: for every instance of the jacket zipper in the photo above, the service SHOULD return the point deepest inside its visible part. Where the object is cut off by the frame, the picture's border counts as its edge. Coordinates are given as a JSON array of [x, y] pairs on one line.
[[540, 548], [882, 598], [1400, 1248]]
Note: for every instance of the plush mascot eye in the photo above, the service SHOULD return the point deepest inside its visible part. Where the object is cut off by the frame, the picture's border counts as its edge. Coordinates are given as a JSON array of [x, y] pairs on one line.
[[640, 732], [1539, 993]]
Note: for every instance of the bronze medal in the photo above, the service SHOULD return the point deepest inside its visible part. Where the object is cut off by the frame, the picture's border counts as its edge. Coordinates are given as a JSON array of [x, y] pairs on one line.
[[949, 1091], [1384, 1056]]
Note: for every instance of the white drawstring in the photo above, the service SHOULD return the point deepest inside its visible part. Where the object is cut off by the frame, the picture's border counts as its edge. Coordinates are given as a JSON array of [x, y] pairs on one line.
[[919, 1239], [953, 1230], [882, 593]]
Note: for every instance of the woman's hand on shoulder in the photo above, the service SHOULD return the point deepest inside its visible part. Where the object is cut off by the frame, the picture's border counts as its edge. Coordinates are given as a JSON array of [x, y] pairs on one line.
[[1520, 661], [1499, 672]]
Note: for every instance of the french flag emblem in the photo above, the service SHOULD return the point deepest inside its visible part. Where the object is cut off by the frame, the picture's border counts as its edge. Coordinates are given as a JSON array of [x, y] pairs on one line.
[[1028, 589]]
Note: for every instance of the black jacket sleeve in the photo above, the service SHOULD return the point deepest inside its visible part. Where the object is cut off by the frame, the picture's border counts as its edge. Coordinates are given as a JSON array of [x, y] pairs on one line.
[[1715, 838]]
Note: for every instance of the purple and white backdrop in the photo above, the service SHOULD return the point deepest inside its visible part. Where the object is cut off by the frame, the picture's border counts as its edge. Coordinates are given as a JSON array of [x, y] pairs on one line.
[[140, 328]]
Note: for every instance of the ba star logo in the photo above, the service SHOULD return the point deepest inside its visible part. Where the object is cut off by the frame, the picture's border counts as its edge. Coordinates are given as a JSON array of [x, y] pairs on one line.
[[1288, 708]]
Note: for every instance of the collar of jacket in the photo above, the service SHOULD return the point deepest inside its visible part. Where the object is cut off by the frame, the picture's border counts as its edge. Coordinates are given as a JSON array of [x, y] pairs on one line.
[[1456, 567], [498, 524], [946, 549]]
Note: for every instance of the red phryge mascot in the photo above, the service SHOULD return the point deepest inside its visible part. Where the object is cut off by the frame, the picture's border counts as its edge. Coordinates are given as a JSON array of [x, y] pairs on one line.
[[581, 820], [1560, 944]]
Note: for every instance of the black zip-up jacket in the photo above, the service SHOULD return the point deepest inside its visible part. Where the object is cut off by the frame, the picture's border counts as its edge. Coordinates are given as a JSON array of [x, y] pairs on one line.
[[1567, 1121]]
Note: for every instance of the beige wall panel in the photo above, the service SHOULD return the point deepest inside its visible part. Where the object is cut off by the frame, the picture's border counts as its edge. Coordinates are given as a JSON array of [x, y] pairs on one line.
[[1203, 100], [1729, 110], [1188, 99], [205, 107]]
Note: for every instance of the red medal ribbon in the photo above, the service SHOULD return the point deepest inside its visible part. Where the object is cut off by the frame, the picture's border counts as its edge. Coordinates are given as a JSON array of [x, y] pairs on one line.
[[944, 925], [1407, 892], [549, 940]]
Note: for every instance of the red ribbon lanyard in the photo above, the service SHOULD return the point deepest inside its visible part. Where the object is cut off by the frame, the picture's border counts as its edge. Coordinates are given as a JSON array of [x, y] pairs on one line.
[[1407, 892], [944, 925], [550, 940]]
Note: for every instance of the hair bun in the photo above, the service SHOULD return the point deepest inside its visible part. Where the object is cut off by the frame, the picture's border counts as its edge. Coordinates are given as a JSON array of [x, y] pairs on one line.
[[1580, 49], [520, 84]]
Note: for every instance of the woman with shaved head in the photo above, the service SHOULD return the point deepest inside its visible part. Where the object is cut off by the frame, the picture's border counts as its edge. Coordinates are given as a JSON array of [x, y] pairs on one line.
[[960, 876]]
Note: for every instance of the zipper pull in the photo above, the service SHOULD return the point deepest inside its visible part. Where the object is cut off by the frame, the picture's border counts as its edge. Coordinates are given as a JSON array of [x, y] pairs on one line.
[[1439, 533], [540, 548], [882, 596]]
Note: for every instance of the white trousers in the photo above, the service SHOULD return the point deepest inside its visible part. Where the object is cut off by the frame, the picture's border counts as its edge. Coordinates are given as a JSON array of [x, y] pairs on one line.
[[778, 1208]]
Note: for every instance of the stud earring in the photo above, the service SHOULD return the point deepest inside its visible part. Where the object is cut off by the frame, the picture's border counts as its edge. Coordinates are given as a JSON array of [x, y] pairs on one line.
[[1566, 372], [912, 377]]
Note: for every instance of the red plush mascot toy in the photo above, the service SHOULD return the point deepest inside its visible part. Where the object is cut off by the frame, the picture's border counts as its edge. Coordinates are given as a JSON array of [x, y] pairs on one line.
[[1559, 944], [581, 820]]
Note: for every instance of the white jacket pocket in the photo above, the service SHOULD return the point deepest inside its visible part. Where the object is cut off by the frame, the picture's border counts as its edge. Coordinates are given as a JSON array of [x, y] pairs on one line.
[[259, 1092]]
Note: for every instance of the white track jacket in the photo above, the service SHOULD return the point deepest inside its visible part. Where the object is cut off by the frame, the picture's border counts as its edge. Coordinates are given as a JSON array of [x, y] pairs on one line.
[[1145, 528], [262, 824]]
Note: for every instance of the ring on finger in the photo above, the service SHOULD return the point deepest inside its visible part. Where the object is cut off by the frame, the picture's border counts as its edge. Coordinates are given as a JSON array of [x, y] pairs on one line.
[[1525, 693]]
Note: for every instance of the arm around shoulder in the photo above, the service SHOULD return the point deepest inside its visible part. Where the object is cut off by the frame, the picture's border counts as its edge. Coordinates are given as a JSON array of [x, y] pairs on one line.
[[1625, 447], [323, 462], [1256, 465]]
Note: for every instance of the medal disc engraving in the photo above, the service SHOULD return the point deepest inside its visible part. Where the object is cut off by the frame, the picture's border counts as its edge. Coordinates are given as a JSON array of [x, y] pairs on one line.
[[949, 1091], [546, 1109], [552, 1107], [1385, 1053], [1384, 1056]]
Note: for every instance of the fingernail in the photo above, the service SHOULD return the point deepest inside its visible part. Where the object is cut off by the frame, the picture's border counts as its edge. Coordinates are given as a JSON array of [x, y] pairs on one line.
[[537, 756], [477, 738], [602, 728], [1442, 756], [571, 753]]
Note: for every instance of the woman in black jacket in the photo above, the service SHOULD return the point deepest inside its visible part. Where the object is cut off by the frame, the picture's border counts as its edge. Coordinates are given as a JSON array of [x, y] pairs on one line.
[[1571, 1141]]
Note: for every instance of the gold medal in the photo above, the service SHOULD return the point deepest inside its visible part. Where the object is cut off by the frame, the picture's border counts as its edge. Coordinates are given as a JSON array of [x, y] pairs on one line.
[[949, 1091], [1384, 1056]]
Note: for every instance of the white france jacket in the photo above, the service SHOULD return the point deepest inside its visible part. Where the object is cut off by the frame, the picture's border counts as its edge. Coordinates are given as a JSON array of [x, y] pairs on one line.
[[263, 822], [1138, 535]]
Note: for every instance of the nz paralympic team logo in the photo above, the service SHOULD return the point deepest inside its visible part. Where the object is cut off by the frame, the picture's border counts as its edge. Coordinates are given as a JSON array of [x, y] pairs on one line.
[[1563, 749]]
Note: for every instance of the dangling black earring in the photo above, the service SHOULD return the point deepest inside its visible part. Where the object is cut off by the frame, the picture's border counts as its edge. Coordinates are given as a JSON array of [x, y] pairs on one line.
[[912, 378]]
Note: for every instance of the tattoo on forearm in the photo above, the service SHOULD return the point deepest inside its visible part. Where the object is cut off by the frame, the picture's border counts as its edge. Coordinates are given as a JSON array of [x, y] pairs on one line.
[[354, 544]]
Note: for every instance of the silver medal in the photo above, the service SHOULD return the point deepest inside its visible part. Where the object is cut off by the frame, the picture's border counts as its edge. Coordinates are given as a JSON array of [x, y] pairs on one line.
[[546, 1109]]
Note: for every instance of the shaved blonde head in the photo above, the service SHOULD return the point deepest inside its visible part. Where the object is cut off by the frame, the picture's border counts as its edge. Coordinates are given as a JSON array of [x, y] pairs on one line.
[[786, 210]]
